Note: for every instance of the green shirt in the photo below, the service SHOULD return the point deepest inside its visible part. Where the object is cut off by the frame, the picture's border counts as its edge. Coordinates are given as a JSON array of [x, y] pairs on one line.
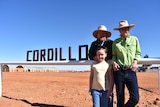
[[124, 51]]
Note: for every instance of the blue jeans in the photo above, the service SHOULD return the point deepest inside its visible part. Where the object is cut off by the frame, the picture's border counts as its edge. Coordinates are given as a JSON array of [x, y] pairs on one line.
[[128, 78], [99, 98]]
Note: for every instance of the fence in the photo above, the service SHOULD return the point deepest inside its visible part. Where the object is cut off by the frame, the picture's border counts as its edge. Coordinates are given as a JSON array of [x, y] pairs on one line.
[[85, 62]]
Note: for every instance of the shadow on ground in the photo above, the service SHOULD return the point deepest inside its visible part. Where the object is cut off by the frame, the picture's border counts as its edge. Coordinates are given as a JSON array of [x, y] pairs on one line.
[[34, 104]]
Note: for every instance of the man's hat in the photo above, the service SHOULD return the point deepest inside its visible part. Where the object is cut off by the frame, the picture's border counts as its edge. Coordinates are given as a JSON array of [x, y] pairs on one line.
[[101, 28], [124, 24]]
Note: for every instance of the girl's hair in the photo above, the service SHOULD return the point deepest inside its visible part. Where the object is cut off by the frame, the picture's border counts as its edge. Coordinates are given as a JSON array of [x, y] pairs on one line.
[[101, 47]]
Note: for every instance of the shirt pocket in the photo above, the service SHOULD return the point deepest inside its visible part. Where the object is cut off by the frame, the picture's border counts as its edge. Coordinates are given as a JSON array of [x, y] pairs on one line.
[[120, 48], [131, 47]]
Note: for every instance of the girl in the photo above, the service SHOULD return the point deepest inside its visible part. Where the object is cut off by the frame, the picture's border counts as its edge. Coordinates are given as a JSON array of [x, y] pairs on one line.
[[101, 80]]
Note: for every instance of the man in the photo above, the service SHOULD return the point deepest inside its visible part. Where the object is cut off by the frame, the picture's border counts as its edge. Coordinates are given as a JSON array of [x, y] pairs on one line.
[[102, 39], [126, 53]]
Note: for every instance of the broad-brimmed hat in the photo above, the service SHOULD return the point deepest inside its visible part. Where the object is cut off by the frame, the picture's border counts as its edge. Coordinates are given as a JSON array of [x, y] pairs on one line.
[[124, 24], [102, 28]]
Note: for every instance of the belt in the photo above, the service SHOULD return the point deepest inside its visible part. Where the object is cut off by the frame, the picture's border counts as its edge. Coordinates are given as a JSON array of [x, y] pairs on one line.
[[124, 67]]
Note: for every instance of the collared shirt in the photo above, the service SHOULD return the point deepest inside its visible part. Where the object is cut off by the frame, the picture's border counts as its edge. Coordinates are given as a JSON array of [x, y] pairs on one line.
[[124, 51]]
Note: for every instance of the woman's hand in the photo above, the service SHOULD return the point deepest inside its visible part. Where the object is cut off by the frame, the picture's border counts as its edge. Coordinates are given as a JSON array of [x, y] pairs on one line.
[[109, 93]]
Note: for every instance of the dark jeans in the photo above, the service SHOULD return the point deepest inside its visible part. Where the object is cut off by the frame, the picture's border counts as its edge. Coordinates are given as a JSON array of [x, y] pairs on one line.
[[128, 78], [110, 101]]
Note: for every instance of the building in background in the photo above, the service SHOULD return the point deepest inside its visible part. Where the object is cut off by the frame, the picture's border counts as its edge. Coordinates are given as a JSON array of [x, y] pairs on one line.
[[5, 68]]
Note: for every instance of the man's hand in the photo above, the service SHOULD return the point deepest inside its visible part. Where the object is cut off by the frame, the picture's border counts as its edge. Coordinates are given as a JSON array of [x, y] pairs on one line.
[[134, 65], [115, 66]]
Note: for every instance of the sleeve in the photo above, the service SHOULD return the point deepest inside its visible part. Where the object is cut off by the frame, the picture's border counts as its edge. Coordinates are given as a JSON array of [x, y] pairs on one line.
[[113, 52], [109, 49], [92, 51], [138, 50]]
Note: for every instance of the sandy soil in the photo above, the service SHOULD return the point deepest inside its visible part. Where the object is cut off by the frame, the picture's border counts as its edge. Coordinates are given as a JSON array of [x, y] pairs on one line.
[[65, 89]]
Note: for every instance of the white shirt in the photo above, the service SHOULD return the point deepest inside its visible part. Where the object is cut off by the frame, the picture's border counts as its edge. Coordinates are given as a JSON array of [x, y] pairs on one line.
[[100, 79]]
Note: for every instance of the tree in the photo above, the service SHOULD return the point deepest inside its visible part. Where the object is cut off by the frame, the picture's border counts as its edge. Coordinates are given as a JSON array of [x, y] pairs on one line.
[[146, 56], [146, 65]]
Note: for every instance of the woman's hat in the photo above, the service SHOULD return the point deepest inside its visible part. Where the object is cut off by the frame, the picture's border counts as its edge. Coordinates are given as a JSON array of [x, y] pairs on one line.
[[123, 24], [101, 28]]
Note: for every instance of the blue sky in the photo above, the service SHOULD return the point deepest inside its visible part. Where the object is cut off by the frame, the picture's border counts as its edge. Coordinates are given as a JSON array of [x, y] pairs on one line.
[[42, 24]]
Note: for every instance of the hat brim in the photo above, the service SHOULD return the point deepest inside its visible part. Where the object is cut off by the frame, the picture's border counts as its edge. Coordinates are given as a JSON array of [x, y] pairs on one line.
[[130, 26], [108, 34]]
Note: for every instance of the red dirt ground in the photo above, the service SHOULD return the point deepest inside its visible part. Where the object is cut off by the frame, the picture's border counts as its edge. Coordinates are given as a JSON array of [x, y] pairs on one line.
[[65, 89]]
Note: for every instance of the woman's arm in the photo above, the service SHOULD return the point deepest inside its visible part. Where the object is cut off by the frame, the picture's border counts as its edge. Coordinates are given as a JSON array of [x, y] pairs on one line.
[[111, 81]]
